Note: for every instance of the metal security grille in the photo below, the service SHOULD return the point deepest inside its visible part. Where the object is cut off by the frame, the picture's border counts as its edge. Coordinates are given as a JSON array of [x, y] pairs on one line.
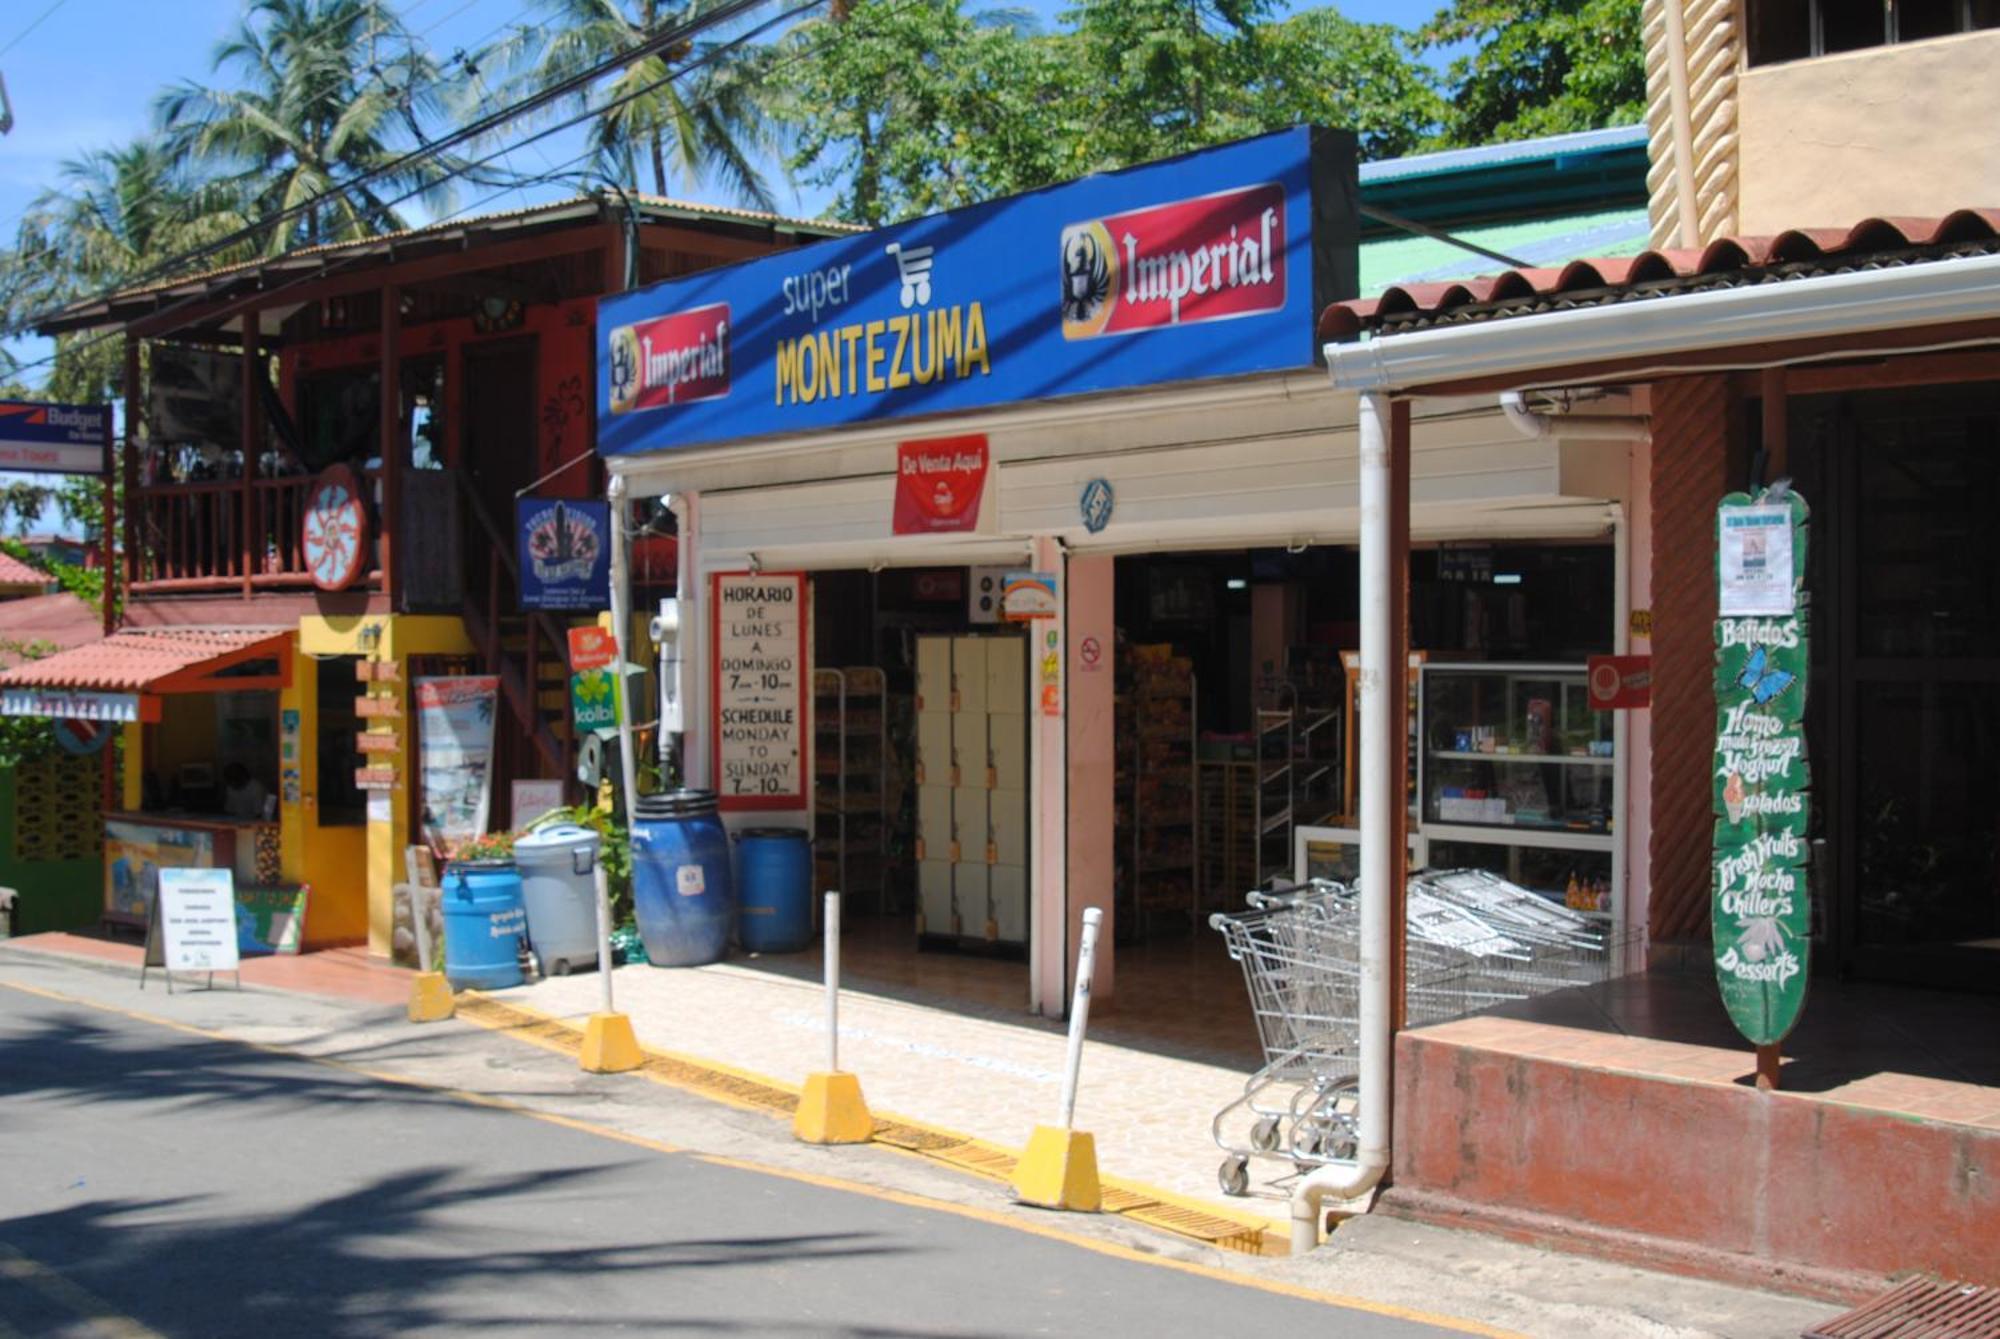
[[1920, 1309]]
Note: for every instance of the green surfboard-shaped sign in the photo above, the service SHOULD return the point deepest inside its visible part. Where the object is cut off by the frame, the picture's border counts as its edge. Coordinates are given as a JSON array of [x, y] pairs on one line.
[[1761, 908]]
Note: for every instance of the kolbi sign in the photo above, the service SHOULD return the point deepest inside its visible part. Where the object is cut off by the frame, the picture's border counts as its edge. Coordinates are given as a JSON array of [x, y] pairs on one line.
[[1215, 264]]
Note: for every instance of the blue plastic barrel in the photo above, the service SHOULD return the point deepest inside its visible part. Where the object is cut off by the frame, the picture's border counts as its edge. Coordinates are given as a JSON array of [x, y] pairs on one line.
[[682, 893], [483, 925], [774, 890]]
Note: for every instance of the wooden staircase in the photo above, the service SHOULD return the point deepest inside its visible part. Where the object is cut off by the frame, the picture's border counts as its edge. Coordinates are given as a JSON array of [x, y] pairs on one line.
[[529, 652]]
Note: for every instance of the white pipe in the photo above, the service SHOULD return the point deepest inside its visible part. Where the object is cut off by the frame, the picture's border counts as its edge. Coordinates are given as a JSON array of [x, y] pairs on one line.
[[1941, 292], [1530, 422], [1621, 763], [832, 957], [628, 763], [600, 881], [1686, 206], [1381, 721], [1079, 1012]]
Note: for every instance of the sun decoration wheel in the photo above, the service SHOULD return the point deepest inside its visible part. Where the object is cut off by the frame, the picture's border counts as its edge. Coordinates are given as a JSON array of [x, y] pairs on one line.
[[335, 533]]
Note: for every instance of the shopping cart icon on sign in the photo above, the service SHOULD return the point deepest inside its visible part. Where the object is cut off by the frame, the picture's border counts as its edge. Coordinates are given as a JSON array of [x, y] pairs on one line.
[[914, 265]]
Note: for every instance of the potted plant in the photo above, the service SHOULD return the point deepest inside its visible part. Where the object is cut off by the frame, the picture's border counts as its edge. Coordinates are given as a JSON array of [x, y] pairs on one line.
[[491, 851]]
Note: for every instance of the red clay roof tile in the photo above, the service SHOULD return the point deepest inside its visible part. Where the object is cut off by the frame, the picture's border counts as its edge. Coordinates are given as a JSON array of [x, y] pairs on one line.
[[133, 658]]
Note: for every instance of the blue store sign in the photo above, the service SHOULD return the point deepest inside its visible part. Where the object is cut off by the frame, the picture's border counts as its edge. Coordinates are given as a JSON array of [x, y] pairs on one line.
[[1215, 264], [565, 553]]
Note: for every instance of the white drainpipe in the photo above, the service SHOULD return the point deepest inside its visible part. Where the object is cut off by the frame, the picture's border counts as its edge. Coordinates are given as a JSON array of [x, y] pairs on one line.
[[1379, 800]]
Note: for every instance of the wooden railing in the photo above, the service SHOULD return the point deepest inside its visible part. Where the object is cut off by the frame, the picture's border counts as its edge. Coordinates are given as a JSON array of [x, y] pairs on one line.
[[219, 536]]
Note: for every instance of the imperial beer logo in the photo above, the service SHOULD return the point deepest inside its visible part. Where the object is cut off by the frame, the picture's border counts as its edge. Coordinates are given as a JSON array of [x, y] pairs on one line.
[[1206, 259], [670, 360]]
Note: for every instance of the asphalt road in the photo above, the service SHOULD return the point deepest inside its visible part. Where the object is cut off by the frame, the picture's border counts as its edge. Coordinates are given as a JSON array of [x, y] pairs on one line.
[[154, 1181]]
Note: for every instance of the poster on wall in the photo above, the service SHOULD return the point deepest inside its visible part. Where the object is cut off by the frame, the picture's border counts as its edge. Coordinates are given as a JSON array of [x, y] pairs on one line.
[[1754, 568], [134, 855], [1761, 909], [761, 676], [939, 484], [565, 555], [455, 755]]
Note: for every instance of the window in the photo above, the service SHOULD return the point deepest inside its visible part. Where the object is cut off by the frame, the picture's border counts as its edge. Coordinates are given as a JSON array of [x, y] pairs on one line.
[[1782, 30]]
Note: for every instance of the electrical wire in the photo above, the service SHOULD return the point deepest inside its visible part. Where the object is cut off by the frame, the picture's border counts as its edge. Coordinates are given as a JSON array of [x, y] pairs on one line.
[[40, 19]]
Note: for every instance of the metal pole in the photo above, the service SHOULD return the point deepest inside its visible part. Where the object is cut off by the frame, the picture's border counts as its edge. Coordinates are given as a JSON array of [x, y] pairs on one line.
[[1079, 1013], [832, 919], [628, 765], [603, 932]]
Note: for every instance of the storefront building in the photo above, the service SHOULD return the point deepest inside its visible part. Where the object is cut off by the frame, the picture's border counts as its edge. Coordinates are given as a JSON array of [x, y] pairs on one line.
[[1063, 507], [1860, 365], [283, 601]]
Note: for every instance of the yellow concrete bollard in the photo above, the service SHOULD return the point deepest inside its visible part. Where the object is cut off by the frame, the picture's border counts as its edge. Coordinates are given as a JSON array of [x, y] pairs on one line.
[[1059, 1170], [609, 1045], [431, 1000], [832, 1110]]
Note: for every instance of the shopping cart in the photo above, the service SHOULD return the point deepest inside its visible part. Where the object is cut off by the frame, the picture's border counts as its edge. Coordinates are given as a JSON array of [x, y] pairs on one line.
[[1474, 941], [1300, 951]]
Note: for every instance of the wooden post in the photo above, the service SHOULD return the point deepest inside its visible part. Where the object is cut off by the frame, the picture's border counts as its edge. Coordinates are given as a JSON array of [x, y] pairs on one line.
[[1777, 424], [1398, 689], [390, 444], [250, 547], [1768, 1060], [135, 410]]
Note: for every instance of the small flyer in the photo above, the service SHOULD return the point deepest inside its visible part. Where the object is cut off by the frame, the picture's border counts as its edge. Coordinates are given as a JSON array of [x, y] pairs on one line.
[[1755, 564]]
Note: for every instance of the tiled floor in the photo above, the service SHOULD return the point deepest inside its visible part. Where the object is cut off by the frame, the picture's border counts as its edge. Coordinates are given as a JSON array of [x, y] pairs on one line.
[[337, 973], [1925, 1053]]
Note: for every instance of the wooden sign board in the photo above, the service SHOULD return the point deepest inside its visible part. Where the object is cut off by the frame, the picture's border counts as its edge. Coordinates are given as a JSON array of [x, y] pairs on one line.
[[378, 671], [374, 743], [375, 778], [377, 708]]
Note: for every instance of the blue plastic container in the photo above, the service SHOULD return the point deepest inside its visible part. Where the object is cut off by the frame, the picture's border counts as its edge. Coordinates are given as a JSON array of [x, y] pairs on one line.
[[483, 925], [774, 883], [682, 894]]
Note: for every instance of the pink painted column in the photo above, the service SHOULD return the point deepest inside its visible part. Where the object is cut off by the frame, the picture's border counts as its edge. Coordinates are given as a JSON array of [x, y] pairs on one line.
[[1093, 758], [1048, 762]]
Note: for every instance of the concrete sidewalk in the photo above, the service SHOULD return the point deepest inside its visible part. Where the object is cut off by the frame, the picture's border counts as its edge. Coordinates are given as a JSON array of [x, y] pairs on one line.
[[992, 1080]]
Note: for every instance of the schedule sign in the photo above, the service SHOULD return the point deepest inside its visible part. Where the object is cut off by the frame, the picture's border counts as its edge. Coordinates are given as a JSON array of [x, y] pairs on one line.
[[761, 677]]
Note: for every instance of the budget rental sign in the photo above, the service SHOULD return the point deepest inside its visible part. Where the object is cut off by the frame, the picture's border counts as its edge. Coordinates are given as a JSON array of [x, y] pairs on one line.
[[1215, 264], [53, 438]]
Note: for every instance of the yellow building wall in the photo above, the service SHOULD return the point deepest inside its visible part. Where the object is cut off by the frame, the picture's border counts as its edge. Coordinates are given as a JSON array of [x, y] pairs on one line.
[[378, 853], [1912, 129]]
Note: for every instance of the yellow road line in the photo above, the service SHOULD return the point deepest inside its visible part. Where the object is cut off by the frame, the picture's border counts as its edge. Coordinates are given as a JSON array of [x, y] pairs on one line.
[[1194, 1220], [103, 1317], [973, 1213]]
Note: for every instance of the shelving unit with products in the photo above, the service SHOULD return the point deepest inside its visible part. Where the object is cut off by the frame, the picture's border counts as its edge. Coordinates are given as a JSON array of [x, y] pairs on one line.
[[1228, 827], [851, 765], [1517, 774], [1159, 850], [1275, 746]]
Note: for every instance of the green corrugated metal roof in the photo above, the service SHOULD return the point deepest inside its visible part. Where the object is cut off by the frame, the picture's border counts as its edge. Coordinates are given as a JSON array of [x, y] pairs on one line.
[[1553, 241]]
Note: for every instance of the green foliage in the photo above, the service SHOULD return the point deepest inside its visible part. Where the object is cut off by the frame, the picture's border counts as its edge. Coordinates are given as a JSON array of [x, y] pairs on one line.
[[26, 738], [86, 583], [1539, 67]]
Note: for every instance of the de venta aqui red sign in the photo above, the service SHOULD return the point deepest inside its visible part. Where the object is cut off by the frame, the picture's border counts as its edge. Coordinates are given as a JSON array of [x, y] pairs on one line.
[[939, 483]]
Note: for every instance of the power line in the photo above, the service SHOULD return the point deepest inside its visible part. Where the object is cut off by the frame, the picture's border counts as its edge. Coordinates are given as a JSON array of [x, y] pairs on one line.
[[41, 18]]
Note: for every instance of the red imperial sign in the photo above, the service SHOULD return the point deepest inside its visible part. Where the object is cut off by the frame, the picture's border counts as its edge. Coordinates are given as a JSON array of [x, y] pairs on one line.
[[670, 360], [1205, 259], [938, 484]]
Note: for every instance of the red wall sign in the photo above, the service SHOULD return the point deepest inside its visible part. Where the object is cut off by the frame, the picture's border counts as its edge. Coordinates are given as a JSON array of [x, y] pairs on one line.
[[591, 648], [939, 483], [1619, 682]]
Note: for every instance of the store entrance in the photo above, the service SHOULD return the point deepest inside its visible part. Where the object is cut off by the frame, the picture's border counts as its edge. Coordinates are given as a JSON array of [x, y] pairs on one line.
[[1903, 716]]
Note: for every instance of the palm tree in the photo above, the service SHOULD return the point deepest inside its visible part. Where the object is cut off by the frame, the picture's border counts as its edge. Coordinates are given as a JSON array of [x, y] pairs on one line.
[[707, 124], [112, 215], [330, 90]]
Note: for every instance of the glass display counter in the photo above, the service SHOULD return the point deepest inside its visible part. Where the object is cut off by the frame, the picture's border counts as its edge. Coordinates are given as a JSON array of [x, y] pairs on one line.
[[1516, 776]]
